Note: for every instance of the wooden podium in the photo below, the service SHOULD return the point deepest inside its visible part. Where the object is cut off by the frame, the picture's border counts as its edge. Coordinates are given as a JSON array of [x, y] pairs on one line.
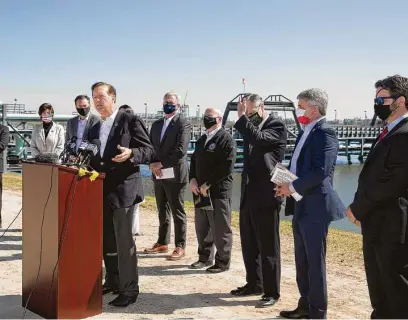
[[68, 209]]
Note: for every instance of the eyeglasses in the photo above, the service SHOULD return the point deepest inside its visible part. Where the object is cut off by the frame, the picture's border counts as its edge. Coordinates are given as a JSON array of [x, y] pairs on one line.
[[381, 100]]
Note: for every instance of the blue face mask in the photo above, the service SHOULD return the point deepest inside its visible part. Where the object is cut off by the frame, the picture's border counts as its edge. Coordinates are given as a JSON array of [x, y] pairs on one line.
[[169, 108]]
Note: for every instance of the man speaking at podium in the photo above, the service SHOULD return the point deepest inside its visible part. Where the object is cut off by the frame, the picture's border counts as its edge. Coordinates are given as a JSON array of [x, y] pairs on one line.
[[124, 145]]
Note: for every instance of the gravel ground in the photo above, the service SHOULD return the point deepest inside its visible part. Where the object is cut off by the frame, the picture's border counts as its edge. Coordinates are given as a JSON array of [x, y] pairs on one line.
[[171, 290]]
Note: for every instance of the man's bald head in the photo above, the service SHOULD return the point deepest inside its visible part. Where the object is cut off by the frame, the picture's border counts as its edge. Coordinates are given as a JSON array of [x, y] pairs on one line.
[[212, 112]]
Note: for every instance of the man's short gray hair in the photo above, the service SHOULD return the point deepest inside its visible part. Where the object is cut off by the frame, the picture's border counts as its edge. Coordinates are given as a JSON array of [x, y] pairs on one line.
[[173, 94], [315, 97], [256, 98]]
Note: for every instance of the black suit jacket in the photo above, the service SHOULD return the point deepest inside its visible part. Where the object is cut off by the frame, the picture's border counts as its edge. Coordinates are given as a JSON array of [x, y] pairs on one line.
[[382, 192], [263, 149], [72, 126], [171, 151], [214, 163], [4, 140], [123, 185]]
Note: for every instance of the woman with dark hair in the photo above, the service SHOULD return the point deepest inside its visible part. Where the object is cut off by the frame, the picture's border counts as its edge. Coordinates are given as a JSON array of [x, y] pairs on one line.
[[48, 136]]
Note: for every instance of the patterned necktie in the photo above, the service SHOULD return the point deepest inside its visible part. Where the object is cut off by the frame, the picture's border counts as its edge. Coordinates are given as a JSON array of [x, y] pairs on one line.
[[382, 135]]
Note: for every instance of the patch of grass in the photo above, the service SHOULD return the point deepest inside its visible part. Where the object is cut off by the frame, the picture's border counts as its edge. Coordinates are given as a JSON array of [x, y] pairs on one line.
[[343, 247], [12, 181]]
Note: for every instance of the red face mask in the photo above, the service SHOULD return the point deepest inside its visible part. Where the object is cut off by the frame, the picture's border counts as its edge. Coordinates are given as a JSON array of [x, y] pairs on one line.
[[301, 116]]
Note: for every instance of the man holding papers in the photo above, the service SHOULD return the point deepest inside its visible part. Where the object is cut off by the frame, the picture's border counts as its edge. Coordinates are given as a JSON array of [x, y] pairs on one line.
[[313, 161], [170, 137], [264, 146], [211, 169]]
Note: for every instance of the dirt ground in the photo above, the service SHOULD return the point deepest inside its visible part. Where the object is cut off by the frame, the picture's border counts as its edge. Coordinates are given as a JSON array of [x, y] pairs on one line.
[[171, 290]]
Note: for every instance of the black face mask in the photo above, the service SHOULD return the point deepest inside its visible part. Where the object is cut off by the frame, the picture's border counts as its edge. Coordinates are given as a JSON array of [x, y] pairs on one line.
[[383, 111], [83, 111], [255, 119], [209, 122]]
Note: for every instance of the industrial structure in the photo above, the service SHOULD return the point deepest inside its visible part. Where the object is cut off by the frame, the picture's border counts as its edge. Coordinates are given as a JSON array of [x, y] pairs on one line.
[[353, 139]]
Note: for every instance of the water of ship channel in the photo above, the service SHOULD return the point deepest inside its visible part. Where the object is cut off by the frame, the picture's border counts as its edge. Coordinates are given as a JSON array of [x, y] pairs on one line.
[[345, 182]]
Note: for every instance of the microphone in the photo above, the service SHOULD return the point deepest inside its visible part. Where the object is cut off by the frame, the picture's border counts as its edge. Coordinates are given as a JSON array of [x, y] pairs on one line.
[[69, 149], [47, 157], [87, 150]]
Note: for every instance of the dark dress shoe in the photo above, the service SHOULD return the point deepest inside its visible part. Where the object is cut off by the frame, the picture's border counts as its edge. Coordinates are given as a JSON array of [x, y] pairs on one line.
[[298, 313], [266, 302], [246, 291], [216, 269], [200, 264], [122, 301]]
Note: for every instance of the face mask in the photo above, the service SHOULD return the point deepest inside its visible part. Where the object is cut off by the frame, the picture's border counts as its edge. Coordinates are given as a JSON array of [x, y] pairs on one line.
[[382, 111], [169, 108], [255, 119], [46, 118], [300, 113], [209, 122], [83, 111]]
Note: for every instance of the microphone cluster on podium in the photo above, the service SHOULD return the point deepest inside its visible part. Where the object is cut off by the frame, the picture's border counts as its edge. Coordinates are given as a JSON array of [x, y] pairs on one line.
[[87, 150], [72, 157]]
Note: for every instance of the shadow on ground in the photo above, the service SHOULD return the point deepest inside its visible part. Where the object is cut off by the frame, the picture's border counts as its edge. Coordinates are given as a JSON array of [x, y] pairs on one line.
[[10, 308]]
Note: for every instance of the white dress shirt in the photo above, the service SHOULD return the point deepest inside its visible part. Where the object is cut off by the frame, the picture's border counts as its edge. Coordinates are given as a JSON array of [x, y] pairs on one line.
[[165, 125], [106, 127], [211, 134]]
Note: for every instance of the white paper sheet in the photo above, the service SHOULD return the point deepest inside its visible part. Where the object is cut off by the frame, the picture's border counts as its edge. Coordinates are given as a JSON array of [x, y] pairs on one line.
[[167, 173], [282, 175]]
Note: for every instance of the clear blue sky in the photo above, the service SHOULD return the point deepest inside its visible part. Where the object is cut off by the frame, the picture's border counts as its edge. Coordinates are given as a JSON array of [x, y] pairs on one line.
[[51, 51]]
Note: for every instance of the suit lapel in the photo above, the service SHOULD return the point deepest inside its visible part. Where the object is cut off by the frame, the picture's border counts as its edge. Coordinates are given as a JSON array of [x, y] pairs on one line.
[[316, 126], [75, 126], [115, 125], [168, 129], [373, 150], [299, 136]]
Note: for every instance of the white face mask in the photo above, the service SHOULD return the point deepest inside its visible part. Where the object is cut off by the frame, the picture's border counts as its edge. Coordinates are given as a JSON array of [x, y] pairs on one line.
[[300, 112]]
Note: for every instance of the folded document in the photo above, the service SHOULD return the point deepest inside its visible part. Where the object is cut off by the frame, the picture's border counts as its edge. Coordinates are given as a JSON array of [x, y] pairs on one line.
[[281, 175], [167, 173]]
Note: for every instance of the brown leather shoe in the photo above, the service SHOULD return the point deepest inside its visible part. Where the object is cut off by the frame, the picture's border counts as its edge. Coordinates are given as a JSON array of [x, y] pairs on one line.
[[177, 254], [157, 248]]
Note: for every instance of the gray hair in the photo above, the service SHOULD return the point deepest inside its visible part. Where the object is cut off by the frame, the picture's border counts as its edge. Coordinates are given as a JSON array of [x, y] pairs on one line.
[[173, 94], [256, 98], [315, 97]]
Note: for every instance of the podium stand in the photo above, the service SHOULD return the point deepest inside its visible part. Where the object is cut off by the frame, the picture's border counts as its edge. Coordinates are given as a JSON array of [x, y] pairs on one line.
[[68, 209]]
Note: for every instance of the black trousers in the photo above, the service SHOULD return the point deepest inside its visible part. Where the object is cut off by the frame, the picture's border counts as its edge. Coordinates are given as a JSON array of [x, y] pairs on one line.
[[260, 241], [310, 258], [119, 250], [386, 266], [170, 200], [214, 227]]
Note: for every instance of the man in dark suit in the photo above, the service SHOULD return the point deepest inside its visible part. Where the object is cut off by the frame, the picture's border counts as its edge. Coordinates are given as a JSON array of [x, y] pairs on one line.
[[124, 145], [170, 137], [313, 161], [381, 204], [264, 146], [4, 140], [79, 126], [211, 169]]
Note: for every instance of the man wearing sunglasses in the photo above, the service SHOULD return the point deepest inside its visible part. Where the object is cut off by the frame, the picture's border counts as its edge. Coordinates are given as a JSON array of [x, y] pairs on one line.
[[380, 204]]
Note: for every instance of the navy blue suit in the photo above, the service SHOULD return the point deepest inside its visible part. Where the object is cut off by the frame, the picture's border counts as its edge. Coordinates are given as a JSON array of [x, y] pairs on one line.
[[313, 213]]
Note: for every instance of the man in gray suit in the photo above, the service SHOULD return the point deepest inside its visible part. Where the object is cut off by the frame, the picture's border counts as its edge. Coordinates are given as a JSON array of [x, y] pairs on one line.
[[80, 125]]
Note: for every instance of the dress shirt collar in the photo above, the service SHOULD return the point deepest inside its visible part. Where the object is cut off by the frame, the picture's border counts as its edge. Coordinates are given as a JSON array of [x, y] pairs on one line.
[[112, 117], [393, 124], [213, 132], [167, 120]]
